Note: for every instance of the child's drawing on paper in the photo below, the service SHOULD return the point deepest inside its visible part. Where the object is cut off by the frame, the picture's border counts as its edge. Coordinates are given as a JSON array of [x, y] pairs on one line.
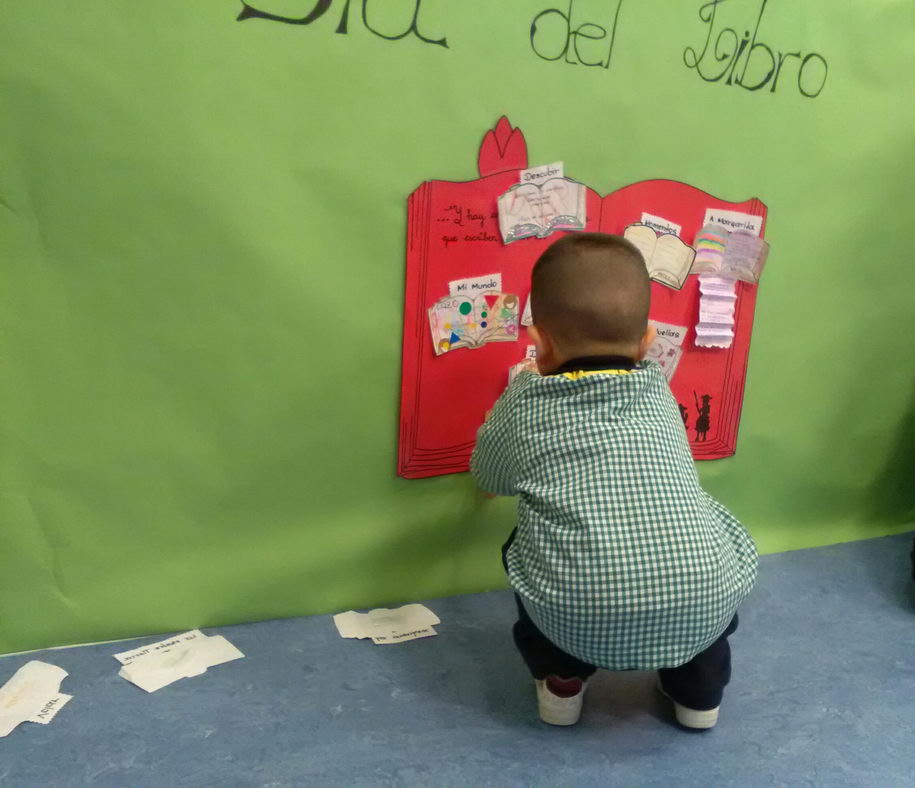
[[666, 347], [461, 321], [737, 254], [529, 210]]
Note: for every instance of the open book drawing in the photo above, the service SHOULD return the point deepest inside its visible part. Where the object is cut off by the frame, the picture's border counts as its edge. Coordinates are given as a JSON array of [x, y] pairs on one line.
[[530, 210], [666, 348], [732, 254], [667, 258], [461, 321]]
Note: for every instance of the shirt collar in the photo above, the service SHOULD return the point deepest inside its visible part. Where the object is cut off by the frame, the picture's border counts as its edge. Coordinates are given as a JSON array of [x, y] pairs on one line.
[[590, 363]]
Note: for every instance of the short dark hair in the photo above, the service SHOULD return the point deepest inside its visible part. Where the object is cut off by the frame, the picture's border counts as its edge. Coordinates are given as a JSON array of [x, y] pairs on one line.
[[591, 288]]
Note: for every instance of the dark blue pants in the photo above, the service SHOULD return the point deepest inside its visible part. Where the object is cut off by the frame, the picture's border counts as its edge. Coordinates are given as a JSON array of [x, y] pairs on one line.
[[698, 684]]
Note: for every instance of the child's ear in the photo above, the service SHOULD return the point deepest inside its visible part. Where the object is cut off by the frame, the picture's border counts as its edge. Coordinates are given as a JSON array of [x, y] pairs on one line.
[[647, 338], [535, 336], [544, 345]]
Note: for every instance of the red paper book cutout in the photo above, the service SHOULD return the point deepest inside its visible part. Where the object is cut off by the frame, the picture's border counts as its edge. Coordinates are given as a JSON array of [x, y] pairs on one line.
[[453, 233]]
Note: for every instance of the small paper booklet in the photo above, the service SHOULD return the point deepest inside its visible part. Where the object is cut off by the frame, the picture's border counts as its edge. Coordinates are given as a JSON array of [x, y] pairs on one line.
[[666, 348], [732, 254], [717, 302], [667, 258], [388, 625], [532, 210], [470, 322], [32, 695], [157, 665]]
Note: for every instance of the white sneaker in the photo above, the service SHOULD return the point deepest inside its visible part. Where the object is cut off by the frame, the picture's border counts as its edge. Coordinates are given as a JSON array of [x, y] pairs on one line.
[[697, 719], [555, 709]]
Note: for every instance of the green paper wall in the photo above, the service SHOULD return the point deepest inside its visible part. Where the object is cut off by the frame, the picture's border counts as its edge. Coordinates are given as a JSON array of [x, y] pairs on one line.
[[203, 227]]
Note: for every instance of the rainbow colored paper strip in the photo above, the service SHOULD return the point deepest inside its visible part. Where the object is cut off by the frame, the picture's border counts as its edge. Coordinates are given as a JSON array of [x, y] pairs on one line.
[[709, 245]]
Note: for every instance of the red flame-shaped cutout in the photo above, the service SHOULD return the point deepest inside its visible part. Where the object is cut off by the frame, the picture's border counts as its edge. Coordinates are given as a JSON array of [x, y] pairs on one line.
[[503, 148]]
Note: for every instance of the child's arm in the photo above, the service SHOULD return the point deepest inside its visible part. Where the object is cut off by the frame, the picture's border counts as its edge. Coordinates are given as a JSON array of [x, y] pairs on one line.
[[492, 463]]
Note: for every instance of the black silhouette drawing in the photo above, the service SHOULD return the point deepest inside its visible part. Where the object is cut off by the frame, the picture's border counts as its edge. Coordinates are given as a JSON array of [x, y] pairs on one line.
[[684, 414], [702, 422]]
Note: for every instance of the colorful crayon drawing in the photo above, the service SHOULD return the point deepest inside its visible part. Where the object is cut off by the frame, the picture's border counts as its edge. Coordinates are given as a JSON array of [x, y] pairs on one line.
[[464, 322]]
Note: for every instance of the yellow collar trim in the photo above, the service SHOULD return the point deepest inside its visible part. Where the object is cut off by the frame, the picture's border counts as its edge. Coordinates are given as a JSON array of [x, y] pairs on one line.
[[583, 373]]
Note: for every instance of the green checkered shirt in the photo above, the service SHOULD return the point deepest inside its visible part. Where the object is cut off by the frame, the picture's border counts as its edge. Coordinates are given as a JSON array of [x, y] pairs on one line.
[[621, 558]]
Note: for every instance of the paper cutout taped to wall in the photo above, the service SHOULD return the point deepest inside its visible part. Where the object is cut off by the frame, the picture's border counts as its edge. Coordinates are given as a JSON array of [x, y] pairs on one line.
[[470, 322], [734, 220], [717, 303], [32, 695], [529, 210], [385, 626], [543, 173], [667, 258], [735, 255], [491, 283], [660, 224], [667, 347], [526, 319], [189, 654]]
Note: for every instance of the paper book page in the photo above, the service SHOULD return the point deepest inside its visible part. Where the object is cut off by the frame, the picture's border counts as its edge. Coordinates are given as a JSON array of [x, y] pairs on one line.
[[667, 258], [666, 348], [643, 238], [737, 254], [464, 322], [531, 210], [497, 316], [744, 256], [717, 306], [452, 324], [707, 336], [387, 625], [521, 213], [710, 244], [157, 669], [31, 695], [671, 262], [562, 205]]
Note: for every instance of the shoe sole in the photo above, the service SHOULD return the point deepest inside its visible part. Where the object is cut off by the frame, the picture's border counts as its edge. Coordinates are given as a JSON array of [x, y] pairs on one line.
[[567, 714], [694, 719]]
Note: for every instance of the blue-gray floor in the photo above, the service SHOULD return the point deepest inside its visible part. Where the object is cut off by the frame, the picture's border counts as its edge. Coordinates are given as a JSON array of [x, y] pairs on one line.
[[823, 694]]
